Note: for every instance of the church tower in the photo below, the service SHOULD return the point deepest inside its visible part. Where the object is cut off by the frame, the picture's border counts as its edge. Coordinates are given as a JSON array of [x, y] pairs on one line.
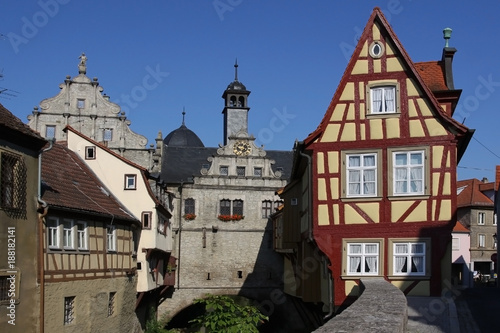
[[235, 108]]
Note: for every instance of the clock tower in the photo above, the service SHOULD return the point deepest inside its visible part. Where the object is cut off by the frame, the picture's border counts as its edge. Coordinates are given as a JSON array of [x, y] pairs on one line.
[[235, 109]]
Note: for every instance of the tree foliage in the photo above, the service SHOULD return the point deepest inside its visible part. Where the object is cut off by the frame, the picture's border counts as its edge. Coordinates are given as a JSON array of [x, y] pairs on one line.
[[223, 314]]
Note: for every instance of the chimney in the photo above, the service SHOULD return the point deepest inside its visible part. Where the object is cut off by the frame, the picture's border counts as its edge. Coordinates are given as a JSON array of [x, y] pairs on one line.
[[447, 59], [485, 180]]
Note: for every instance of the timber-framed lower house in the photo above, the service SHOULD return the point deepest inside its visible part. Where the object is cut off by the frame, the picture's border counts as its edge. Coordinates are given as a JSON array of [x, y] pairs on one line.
[[373, 189]]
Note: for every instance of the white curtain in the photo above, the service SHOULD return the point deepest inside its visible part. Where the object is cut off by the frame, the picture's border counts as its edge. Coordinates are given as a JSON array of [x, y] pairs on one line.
[[371, 262], [354, 181], [369, 181], [354, 263], [377, 100], [401, 176], [416, 179], [389, 100], [400, 261], [417, 264]]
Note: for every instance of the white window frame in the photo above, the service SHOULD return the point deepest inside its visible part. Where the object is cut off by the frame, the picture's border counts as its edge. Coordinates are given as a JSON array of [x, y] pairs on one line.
[[111, 238], [481, 240], [481, 218], [455, 243], [131, 182], [409, 255], [81, 236], [385, 103], [362, 169], [363, 255], [68, 234], [408, 168], [53, 234]]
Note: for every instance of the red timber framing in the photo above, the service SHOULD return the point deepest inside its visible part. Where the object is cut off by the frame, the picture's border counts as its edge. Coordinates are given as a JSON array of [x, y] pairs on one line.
[[405, 196]]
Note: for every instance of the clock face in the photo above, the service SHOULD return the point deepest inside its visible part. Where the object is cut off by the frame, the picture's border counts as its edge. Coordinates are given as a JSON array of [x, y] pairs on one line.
[[242, 148]]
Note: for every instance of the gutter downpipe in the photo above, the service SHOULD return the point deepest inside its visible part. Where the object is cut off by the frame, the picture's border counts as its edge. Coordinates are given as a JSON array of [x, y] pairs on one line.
[[179, 238], [42, 211], [310, 232]]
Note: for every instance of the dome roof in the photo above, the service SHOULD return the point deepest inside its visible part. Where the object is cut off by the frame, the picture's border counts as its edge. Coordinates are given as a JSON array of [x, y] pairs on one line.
[[183, 137], [236, 85]]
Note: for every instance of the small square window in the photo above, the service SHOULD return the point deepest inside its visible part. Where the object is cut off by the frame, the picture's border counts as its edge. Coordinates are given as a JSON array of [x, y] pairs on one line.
[[224, 171], [130, 182], [90, 153], [383, 99], [80, 103], [257, 172], [240, 171], [50, 132]]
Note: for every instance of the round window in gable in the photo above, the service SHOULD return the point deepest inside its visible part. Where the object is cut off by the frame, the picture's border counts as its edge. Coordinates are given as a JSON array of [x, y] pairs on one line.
[[376, 49]]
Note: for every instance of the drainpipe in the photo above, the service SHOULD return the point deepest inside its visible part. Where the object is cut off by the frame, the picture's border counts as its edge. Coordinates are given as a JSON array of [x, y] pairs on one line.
[[310, 232], [42, 212], [179, 238]]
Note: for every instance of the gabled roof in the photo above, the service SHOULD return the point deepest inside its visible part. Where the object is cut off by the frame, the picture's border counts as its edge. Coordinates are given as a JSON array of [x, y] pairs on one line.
[[432, 73], [378, 17], [12, 128], [69, 184], [142, 170], [471, 195]]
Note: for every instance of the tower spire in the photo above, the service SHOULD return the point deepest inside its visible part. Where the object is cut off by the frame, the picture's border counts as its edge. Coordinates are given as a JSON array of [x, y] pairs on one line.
[[183, 115], [236, 70]]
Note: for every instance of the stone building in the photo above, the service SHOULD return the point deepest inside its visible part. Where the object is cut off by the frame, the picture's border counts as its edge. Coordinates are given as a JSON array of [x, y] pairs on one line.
[[82, 105], [223, 199]]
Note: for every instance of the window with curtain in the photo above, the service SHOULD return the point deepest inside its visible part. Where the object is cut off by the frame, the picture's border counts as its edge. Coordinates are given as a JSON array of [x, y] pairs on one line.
[[409, 258], [383, 99], [362, 258], [408, 172], [361, 174]]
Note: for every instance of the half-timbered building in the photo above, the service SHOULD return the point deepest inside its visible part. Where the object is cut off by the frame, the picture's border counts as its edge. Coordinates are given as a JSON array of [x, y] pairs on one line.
[[374, 186], [149, 202], [88, 266]]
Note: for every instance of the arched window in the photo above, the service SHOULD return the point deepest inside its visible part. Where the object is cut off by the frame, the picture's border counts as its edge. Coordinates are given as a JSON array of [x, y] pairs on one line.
[[241, 101], [232, 101]]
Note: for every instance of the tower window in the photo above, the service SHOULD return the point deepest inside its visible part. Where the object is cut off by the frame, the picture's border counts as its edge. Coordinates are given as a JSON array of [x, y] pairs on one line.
[[240, 171], [224, 170], [232, 101], [50, 132], [241, 102]]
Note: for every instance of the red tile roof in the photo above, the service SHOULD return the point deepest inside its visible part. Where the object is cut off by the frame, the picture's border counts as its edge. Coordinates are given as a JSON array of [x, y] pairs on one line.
[[68, 183], [471, 194], [10, 123], [460, 228], [432, 73]]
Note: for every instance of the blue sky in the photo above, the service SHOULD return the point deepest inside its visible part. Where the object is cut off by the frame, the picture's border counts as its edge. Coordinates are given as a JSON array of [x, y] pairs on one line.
[[291, 55]]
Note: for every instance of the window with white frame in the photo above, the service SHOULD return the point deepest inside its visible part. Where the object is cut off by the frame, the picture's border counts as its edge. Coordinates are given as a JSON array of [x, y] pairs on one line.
[[111, 238], [130, 182], [68, 234], [408, 172], [363, 258], [481, 240], [90, 153], [409, 258], [81, 235], [53, 233], [361, 174], [266, 208], [383, 99], [455, 243], [481, 217]]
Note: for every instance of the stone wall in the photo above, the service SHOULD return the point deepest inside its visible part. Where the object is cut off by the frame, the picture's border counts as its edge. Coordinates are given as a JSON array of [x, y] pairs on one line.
[[381, 308]]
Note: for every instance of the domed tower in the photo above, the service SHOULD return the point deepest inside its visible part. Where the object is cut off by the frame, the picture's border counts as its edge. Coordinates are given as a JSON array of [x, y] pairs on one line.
[[235, 107], [183, 137]]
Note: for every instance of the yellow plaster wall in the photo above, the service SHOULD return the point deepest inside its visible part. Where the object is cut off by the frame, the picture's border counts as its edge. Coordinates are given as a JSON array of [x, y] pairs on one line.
[[348, 93], [424, 107], [361, 88], [421, 289], [333, 160], [376, 131], [411, 88], [398, 208], [447, 184], [334, 188], [412, 110], [321, 189], [419, 214], [331, 133], [375, 32], [320, 163], [362, 129], [392, 128], [338, 112], [323, 216], [389, 50], [371, 209], [361, 67], [377, 66], [416, 129], [394, 65], [350, 112], [434, 127], [435, 182], [364, 50], [445, 211], [437, 155], [351, 288], [352, 217], [336, 214], [349, 132]]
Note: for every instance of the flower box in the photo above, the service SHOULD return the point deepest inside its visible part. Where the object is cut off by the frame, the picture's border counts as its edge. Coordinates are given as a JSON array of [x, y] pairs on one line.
[[227, 218]]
